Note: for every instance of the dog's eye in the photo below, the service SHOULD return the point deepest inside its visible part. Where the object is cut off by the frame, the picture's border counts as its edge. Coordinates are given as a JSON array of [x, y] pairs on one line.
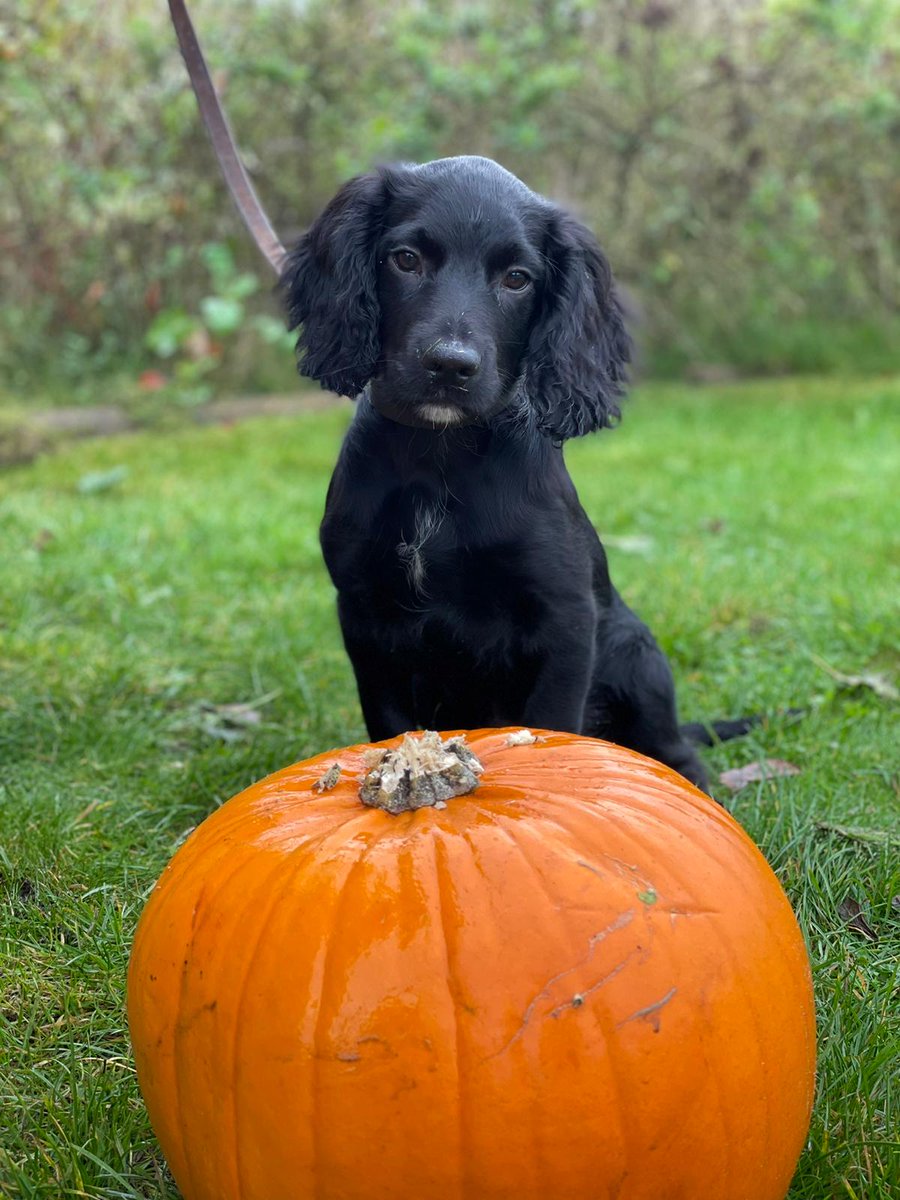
[[407, 260], [516, 281]]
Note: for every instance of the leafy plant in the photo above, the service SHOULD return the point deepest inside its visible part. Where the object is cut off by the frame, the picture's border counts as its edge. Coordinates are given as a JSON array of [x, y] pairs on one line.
[[737, 160], [194, 344]]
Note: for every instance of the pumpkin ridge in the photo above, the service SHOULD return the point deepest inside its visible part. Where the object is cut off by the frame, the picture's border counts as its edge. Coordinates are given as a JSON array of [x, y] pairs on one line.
[[736, 970], [444, 887], [563, 762], [498, 820], [553, 794], [620, 922], [595, 814], [136, 969], [622, 869], [501, 822], [249, 962], [652, 818], [675, 876], [355, 870], [185, 882], [737, 975], [176, 880], [342, 828], [647, 853], [603, 812], [600, 1013], [261, 887]]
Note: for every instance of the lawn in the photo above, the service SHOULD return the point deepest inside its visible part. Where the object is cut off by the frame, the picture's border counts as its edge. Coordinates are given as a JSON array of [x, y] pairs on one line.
[[167, 636]]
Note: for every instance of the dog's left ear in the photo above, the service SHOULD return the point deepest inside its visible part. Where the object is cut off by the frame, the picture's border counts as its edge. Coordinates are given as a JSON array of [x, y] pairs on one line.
[[328, 288], [576, 365]]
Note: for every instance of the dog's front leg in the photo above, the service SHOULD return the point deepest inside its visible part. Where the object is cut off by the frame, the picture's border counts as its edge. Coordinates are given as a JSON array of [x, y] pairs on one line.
[[566, 659], [384, 692], [383, 676]]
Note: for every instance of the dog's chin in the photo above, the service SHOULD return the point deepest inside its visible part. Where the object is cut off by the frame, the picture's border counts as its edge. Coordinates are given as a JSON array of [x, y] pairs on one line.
[[435, 408], [443, 415], [424, 415], [432, 408]]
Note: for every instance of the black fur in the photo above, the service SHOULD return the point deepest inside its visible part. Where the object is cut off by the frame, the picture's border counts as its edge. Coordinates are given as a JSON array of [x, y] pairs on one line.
[[483, 323]]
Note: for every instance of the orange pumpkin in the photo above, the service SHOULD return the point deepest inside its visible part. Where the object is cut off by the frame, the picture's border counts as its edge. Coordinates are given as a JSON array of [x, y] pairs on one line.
[[580, 981]]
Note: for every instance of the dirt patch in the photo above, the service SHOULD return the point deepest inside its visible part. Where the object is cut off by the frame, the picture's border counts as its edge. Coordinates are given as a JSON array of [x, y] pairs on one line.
[[25, 435]]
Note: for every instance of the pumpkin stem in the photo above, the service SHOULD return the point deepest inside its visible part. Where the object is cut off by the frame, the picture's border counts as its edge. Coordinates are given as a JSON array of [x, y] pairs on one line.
[[422, 772]]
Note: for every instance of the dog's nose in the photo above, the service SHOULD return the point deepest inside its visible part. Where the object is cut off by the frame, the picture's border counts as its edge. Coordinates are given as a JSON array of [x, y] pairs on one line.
[[451, 362]]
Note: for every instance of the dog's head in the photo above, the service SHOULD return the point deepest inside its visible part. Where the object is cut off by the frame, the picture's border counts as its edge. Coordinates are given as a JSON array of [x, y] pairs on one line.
[[454, 290]]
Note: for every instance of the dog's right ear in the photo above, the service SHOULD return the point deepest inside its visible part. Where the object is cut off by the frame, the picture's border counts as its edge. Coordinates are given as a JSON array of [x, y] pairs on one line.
[[576, 368], [328, 288]]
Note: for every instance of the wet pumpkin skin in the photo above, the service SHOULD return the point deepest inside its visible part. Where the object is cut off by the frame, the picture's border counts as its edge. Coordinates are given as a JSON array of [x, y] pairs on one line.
[[580, 980]]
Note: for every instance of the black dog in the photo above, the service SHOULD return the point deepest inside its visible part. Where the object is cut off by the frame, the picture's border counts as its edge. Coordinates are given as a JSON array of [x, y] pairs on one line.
[[483, 326]]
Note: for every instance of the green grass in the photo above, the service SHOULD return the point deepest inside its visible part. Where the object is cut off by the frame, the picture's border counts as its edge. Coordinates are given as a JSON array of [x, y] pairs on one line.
[[753, 526]]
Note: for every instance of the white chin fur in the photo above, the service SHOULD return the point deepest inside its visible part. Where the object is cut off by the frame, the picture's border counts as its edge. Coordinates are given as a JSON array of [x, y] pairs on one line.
[[442, 415]]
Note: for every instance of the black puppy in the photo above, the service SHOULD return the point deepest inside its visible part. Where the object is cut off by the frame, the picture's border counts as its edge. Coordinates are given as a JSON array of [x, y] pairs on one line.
[[482, 325]]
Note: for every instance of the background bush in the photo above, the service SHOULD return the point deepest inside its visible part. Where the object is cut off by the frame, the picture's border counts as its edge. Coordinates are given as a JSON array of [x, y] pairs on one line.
[[737, 158]]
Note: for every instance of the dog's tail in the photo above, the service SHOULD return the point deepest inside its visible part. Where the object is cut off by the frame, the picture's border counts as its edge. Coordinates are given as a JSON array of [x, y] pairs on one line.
[[710, 733]]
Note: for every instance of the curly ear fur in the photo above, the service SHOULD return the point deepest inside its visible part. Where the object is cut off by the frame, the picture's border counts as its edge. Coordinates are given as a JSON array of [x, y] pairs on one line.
[[328, 288], [576, 366]]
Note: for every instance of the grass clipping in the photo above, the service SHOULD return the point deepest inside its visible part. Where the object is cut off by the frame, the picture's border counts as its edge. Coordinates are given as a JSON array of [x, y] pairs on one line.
[[423, 772]]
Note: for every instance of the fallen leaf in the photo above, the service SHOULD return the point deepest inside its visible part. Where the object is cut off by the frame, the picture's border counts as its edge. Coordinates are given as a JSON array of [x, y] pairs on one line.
[[850, 912], [879, 684], [858, 833], [226, 722], [757, 772], [234, 714], [630, 543], [101, 481]]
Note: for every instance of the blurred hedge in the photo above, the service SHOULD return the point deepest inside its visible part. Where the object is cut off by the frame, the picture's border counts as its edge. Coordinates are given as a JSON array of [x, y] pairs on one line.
[[737, 157]]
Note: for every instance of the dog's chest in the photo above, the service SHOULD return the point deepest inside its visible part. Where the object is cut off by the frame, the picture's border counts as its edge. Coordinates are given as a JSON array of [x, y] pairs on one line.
[[425, 556], [426, 543], [424, 553]]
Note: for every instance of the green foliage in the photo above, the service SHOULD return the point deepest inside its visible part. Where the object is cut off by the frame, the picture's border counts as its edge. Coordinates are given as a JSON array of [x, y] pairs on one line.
[[738, 162], [194, 345]]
